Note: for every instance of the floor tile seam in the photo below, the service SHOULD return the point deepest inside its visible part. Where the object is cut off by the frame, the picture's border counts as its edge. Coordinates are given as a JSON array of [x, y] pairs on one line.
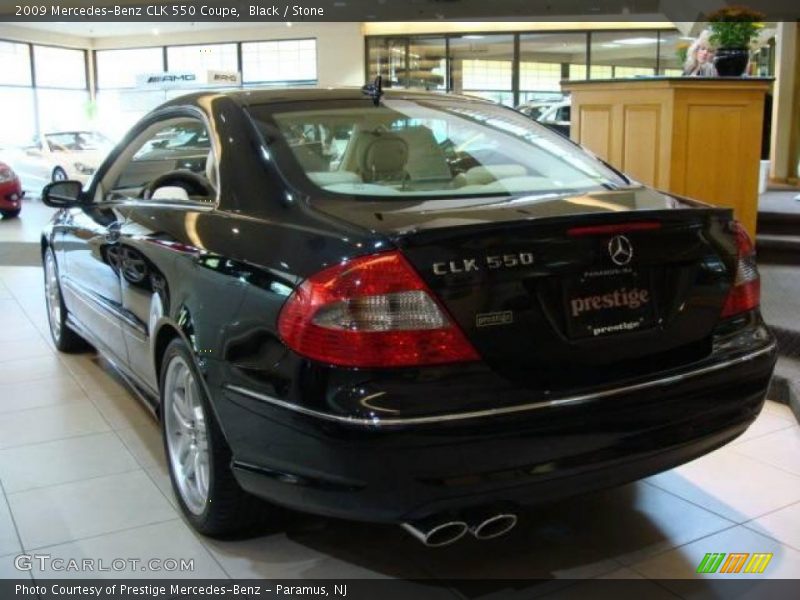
[[40, 488]]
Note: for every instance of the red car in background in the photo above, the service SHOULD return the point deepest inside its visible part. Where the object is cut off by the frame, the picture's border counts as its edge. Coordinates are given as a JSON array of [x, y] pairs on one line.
[[10, 192]]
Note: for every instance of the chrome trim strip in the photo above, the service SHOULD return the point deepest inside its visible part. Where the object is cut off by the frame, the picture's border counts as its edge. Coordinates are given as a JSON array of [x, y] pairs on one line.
[[493, 412]]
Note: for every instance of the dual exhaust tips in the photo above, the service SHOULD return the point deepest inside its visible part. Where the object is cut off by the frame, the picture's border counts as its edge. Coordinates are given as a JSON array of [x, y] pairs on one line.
[[436, 533]]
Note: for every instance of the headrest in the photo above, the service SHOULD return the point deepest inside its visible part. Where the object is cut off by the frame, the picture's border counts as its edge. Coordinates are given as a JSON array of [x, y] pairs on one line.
[[384, 155], [426, 158], [170, 192]]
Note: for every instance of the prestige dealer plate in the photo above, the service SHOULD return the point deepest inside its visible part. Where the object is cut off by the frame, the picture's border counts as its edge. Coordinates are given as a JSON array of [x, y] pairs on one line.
[[607, 303]]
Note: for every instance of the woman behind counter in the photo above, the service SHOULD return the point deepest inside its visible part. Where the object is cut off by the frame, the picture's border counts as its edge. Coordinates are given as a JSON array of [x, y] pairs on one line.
[[700, 58]]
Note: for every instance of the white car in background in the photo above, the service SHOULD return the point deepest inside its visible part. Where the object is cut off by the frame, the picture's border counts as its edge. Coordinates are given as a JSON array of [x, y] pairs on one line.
[[61, 155], [553, 114]]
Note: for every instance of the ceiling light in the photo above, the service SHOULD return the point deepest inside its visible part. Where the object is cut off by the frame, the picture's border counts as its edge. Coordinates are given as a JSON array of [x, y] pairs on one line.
[[154, 31], [474, 37]]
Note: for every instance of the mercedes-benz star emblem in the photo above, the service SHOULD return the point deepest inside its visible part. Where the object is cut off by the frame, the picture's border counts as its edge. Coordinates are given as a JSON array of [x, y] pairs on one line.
[[620, 250]]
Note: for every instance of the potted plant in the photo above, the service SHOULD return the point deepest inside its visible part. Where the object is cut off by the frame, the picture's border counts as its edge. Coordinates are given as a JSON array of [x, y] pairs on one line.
[[681, 51], [733, 29]]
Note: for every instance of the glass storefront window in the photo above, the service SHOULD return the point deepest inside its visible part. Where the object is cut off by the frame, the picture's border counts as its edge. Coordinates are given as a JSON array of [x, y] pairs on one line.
[[536, 76], [597, 72], [545, 60], [387, 58], [120, 68], [60, 67], [118, 110], [673, 48], [279, 61], [480, 73], [63, 110], [21, 129], [622, 72], [483, 65], [427, 64], [621, 51], [16, 61], [201, 58]]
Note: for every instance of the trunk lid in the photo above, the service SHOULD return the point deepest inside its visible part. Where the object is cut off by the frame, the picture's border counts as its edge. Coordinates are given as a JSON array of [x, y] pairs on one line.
[[573, 292]]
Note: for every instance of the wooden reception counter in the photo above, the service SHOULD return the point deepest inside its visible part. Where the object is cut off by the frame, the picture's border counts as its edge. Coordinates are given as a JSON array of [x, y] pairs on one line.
[[696, 137]]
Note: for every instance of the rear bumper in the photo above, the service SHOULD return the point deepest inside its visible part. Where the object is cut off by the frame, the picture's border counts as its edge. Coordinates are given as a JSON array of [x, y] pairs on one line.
[[392, 472]]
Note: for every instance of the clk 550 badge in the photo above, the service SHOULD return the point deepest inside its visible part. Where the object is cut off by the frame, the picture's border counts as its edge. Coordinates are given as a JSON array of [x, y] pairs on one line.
[[470, 265]]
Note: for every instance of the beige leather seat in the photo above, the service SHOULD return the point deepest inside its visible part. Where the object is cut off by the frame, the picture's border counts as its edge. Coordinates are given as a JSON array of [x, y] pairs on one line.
[[426, 159], [382, 157]]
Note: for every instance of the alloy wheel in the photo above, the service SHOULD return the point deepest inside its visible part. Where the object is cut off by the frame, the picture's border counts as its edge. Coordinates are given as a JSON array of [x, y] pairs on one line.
[[52, 295], [186, 434]]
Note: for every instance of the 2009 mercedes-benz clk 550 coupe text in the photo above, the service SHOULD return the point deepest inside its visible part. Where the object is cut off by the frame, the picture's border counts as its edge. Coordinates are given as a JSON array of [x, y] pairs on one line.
[[406, 308]]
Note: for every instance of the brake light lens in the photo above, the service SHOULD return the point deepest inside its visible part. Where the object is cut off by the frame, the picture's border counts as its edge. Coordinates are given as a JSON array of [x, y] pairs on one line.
[[745, 293], [373, 311], [613, 229]]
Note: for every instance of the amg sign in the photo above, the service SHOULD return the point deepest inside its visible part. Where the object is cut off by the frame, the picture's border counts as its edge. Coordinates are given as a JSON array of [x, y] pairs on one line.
[[166, 80], [224, 78]]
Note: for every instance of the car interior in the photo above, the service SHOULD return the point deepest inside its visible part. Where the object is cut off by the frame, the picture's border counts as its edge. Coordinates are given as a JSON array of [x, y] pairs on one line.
[[171, 161], [391, 154]]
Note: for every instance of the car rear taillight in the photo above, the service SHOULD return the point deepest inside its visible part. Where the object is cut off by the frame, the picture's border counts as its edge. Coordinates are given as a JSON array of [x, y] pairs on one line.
[[373, 311], [745, 293]]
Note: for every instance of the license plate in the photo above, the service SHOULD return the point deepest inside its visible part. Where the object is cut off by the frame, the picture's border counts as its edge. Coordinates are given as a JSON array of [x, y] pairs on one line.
[[611, 302]]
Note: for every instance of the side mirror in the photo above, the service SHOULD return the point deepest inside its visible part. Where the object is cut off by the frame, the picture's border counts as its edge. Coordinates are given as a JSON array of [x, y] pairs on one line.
[[63, 194]]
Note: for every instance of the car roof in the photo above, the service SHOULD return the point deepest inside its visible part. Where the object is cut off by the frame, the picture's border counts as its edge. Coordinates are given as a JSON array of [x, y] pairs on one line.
[[260, 96]]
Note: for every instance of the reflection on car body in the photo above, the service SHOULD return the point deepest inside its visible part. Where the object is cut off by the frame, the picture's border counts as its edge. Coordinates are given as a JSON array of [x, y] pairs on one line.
[[413, 312]]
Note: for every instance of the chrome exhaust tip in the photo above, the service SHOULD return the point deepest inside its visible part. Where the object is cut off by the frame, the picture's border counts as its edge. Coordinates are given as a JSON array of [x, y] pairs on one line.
[[494, 526], [437, 534]]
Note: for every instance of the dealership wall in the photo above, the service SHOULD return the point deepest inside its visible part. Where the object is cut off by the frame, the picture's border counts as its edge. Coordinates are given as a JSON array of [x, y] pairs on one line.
[[341, 55], [786, 114], [340, 46], [54, 100]]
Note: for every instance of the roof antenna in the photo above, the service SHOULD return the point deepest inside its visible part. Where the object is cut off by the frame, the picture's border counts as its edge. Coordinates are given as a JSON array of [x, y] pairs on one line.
[[374, 90]]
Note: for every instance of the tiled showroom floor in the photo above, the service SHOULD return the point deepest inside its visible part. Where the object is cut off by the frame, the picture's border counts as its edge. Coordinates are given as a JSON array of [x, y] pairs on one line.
[[83, 475]]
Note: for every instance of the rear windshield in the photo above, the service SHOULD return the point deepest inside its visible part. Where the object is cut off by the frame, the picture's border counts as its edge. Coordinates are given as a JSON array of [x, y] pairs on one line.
[[439, 148]]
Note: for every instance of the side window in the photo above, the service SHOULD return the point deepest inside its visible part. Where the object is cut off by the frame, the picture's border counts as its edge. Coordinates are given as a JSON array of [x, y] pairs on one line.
[[171, 161]]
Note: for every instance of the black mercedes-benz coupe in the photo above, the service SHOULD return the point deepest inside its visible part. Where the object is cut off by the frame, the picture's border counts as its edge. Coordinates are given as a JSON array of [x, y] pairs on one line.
[[401, 307]]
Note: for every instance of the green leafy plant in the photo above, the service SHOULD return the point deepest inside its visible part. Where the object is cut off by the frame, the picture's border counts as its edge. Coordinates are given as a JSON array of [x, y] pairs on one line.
[[734, 27], [681, 51]]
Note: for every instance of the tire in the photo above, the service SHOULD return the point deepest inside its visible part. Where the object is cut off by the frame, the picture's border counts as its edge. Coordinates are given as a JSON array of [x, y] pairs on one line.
[[64, 338], [198, 456], [59, 174], [10, 214]]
